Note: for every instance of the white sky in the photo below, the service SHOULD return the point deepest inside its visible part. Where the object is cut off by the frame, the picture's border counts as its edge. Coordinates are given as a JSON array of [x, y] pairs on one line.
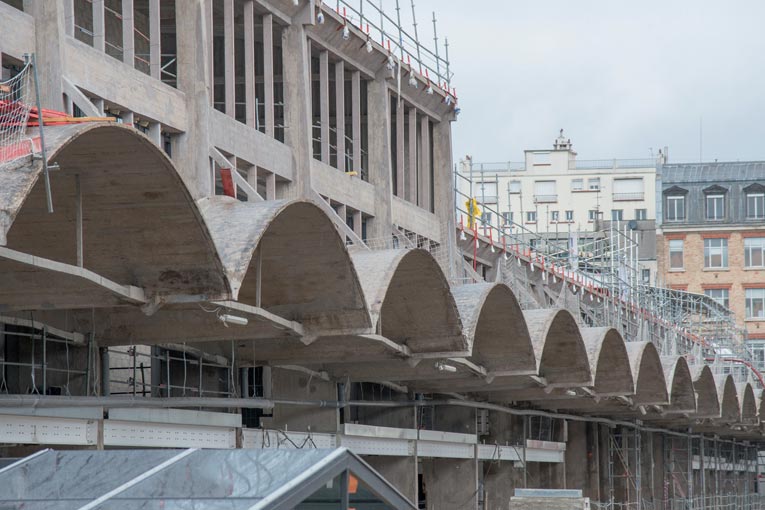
[[620, 77]]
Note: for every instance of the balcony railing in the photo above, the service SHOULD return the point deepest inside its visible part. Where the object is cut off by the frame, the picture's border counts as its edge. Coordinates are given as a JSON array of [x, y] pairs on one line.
[[621, 197], [545, 199]]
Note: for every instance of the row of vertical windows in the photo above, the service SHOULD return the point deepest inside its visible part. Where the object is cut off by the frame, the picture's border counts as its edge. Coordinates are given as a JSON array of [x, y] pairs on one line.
[[716, 253]]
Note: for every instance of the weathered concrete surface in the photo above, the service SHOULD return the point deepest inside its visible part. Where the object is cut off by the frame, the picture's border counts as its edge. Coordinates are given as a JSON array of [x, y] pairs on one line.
[[410, 300]]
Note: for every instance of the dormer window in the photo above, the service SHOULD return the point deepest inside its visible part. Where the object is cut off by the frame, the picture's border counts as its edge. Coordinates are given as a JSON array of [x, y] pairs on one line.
[[715, 203], [755, 201], [674, 203]]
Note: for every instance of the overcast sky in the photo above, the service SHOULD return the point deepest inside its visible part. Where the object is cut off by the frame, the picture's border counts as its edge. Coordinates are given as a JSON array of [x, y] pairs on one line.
[[620, 77]]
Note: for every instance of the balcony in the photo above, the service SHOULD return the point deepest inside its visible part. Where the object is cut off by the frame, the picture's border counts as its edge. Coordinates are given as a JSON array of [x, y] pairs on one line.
[[623, 197], [545, 199]]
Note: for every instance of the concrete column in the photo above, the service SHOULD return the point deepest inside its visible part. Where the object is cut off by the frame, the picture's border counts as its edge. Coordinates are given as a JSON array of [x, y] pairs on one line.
[[268, 71], [298, 118], [99, 30], [155, 43], [356, 120], [400, 148], [379, 156], [401, 472], [425, 162], [451, 484], [324, 104], [228, 51], [340, 113], [193, 154], [68, 17], [412, 163], [128, 33], [49, 18], [249, 62], [443, 185], [357, 223]]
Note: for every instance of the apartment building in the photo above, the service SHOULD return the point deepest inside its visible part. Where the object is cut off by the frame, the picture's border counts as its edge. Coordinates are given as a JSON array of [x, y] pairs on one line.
[[711, 237]]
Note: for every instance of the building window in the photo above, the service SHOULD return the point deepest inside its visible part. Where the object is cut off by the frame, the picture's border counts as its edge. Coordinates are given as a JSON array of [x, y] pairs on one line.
[[716, 253], [754, 252], [617, 214], [676, 247], [514, 187], [592, 215], [531, 217], [719, 295], [675, 208], [715, 207], [646, 276], [755, 206], [577, 184], [641, 214], [755, 303], [593, 184], [569, 215], [554, 215]]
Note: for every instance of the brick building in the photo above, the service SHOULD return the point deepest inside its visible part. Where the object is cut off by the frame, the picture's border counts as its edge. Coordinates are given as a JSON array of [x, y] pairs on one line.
[[711, 237]]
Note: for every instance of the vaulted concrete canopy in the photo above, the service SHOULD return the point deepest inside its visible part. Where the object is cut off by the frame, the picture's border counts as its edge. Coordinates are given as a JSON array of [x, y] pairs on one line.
[[410, 301], [609, 362], [295, 251], [558, 347], [705, 386], [495, 328], [748, 403], [648, 374], [730, 410], [682, 397], [140, 225]]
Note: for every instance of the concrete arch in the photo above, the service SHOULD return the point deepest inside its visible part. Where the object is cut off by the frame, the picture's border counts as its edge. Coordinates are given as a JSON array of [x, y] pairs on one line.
[[494, 328], [558, 347], [140, 224], [748, 403], [305, 271], [705, 386], [648, 374], [609, 362], [727, 393], [680, 386], [410, 301]]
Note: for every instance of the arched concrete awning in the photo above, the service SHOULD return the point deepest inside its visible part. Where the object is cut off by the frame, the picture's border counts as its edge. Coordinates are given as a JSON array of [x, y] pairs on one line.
[[558, 347], [648, 374], [609, 362], [410, 301], [727, 393], [140, 226], [748, 403], [682, 398], [705, 386], [495, 328], [288, 258]]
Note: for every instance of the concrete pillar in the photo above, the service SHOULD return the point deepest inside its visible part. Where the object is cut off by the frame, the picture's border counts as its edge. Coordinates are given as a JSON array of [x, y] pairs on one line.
[[155, 42], [401, 472], [49, 20], [378, 109], [249, 62], [324, 104], [128, 33], [356, 109], [400, 147], [340, 113], [451, 484], [424, 187], [297, 109], [193, 154], [268, 71], [229, 58], [412, 163], [99, 27]]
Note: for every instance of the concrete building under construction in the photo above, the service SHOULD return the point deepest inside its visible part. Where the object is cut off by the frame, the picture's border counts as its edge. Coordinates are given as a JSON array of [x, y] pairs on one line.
[[230, 224]]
